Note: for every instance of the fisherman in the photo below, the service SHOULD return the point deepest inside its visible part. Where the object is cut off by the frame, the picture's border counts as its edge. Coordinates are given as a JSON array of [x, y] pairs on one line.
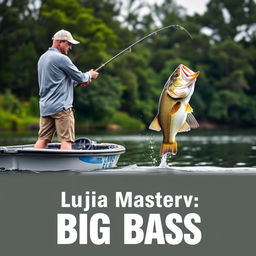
[[56, 77]]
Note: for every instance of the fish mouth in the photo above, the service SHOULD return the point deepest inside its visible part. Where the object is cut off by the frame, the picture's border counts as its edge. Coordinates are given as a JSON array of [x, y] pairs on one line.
[[176, 95], [188, 73]]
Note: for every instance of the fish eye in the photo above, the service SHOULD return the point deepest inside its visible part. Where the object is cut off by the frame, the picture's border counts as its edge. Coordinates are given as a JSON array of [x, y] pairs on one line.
[[176, 75]]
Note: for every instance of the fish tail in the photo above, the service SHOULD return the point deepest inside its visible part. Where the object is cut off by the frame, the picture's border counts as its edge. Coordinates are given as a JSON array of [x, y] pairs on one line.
[[169, 148]]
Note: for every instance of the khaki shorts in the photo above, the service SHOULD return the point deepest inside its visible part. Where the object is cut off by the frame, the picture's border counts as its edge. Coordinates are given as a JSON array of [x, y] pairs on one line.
[[63, 123]]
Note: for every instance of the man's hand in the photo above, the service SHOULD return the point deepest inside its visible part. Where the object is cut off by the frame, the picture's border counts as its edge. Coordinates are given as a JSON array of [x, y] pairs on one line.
[[83, 84], [94, 74]]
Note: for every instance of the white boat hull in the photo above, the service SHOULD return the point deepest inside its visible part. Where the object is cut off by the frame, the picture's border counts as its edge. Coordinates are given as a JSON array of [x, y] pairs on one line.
[[25, 157]]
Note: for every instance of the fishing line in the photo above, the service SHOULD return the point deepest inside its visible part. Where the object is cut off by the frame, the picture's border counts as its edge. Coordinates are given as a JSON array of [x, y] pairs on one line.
[[137, 42]]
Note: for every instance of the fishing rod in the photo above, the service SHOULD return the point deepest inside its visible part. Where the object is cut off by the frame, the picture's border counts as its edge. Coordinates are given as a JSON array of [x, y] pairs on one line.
[[140, 40], [137, 42]]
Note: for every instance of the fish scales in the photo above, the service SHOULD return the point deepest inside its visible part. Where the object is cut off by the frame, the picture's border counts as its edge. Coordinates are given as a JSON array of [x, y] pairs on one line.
[[174, 112]]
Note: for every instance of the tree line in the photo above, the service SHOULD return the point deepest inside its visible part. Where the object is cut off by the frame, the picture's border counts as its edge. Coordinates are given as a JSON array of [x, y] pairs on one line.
[[127, 91]]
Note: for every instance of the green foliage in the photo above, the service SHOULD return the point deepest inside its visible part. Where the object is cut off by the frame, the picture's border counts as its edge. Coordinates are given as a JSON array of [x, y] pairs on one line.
[[99, 100], [225, 91], [16, 115], [10, 102], [229, 19], [18, 54], [124, 120], [91, 31], [232, 107]]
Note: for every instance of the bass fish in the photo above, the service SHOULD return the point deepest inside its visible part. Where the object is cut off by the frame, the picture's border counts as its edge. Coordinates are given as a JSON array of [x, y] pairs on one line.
[[174, 112]]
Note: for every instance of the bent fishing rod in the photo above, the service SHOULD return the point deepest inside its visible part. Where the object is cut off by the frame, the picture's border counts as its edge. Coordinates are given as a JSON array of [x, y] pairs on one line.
[[137, 42]]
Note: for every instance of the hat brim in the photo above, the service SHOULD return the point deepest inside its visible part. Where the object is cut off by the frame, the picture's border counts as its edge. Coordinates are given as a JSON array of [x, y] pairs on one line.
[[73, 41]]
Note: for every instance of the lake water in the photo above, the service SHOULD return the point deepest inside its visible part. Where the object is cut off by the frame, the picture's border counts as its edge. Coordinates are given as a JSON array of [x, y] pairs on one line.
[[198, 151]]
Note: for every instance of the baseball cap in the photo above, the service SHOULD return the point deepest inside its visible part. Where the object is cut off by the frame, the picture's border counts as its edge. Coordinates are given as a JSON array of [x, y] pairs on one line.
[[64, 35]]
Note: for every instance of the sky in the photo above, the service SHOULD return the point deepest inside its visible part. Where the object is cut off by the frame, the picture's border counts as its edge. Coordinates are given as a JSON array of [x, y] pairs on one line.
[[193, 6]]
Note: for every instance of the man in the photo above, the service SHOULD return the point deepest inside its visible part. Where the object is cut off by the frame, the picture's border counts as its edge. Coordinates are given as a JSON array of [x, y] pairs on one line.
[[56, 76]]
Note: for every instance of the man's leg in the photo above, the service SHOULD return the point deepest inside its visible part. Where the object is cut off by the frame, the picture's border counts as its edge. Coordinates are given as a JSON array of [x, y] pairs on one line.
[[66, 145], [46, 131], [65, 126], [41, 143]]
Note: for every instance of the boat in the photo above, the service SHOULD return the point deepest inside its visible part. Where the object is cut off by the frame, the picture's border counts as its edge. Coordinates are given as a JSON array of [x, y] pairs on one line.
[[86, 155]]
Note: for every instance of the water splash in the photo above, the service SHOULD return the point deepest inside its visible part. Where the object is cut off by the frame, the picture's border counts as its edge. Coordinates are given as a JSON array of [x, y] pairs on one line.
[[152, 150], [164, 163]]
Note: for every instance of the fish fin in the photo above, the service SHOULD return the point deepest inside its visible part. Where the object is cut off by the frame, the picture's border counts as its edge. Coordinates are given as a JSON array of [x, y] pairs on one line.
[[175, 108], [168, 148], [155, 125], [185, 127], [191, 120], [189, 109]]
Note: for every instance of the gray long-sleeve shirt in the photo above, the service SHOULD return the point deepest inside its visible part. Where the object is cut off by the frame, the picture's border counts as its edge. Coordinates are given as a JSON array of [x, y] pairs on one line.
[[56, 76]]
